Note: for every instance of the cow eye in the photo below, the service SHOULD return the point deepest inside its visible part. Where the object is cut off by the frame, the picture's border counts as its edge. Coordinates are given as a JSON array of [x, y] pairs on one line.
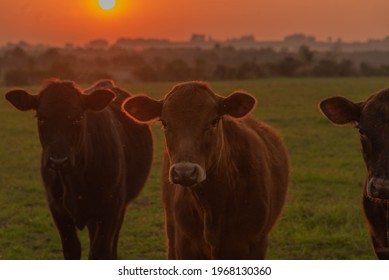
[[215, 121], [77, 120], [163, 122]]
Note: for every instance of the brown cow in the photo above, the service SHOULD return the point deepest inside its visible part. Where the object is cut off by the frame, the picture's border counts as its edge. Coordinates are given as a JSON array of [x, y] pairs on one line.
[[95, 160], [225, 173], [371, 117]]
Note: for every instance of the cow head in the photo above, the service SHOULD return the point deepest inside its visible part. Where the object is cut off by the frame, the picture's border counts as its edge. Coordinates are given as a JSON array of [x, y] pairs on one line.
[[191, 116], [60, 110], [372, 120]]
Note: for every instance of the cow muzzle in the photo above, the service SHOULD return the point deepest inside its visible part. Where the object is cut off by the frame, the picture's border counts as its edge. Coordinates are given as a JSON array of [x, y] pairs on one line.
[[186, 174], [58, 163], [378, 188]]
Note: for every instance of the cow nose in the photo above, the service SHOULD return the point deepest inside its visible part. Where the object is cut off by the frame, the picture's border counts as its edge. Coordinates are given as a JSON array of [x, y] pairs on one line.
[[58, 163], [378, 188], [186, 174]]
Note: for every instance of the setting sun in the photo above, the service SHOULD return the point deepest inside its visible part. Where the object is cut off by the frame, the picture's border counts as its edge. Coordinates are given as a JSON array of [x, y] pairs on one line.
[[107, 4]]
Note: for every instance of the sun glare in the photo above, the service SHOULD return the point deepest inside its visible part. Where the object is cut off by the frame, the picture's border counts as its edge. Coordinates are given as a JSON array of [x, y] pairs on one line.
[[107, 4], [109, 10]]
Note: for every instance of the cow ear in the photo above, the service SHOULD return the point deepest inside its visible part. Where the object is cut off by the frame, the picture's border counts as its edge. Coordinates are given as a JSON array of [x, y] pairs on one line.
[[98, 99], [340, 110], [22, 100], [142, 108], [238, 104]]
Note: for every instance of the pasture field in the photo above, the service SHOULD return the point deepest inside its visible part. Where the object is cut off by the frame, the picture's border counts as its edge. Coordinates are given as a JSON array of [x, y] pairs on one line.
[[322, 218]]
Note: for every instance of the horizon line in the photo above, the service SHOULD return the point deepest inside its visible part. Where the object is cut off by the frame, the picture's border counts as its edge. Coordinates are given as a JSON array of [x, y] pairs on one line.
[[207, 39]]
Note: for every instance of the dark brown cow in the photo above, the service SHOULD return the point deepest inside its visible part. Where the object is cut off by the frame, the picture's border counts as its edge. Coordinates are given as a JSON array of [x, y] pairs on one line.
[[95, 160], [371, 117], [225, 173]]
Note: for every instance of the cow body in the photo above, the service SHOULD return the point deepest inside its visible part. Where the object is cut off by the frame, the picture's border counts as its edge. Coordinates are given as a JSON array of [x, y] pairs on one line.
[[224, 184], [108, 166], [371, 117], [230, 214]]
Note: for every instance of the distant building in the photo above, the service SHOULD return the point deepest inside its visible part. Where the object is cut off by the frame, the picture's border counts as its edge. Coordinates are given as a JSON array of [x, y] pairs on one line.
[[197, 38], [299, 38]]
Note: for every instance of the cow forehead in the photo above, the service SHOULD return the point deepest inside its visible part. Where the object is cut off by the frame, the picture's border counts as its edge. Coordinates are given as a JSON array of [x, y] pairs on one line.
[[376, 108], [188, 103], [59, 100], [378, 104]]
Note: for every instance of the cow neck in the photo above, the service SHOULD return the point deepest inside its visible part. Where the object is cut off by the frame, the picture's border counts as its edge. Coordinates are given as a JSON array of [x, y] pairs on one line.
[[210, 196], [84, 147], [72, 197], [94, 137], [212, 204], [102, 148], [222, 165]]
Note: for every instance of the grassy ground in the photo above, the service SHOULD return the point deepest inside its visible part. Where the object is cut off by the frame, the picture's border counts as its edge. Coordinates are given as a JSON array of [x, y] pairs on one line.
[[322, 219]]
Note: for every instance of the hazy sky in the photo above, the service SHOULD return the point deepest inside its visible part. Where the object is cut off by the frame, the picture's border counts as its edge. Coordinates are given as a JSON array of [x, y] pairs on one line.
[[57, 22]]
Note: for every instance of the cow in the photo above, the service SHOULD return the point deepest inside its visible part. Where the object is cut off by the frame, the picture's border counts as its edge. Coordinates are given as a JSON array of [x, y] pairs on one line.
[[225, 173], [371, 118], [94, 160]]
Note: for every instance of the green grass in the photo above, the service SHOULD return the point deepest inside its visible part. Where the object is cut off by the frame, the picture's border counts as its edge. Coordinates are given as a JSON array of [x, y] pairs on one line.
[[323, 216]]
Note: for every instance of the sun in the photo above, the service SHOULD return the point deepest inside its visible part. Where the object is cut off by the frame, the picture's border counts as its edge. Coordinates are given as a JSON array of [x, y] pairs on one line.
[[107, 4]]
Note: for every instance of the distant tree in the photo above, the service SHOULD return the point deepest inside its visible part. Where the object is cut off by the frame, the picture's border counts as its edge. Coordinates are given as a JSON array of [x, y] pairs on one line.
[[287, 67], [97, 44], [384, 70], [346, 68], [326, 68], [16, 77], [101, 61], [16, 58], [145, 73], [61, 70], [18, 52], [158, 63], [177, 69], [217, 46], [223, 72], [126, 61], [50, 56], [37, 75], [306, 54], [367, 70], [249, 70], [201, 69], [94, 75]]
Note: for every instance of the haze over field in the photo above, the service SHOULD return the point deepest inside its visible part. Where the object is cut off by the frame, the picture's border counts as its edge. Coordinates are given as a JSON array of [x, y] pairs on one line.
[[58, 22]]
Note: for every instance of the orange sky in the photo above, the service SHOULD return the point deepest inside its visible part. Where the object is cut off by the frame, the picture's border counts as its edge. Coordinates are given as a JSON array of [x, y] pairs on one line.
[[57, 22]]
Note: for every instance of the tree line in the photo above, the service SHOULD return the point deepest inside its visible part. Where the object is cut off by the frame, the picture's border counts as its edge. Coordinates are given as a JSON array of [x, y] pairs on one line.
[[19, 67]]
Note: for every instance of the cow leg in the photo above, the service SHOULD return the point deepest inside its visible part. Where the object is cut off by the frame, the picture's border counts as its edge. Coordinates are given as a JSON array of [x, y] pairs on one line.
[[258, 249], [168, 191], [185, 249], [117, 233], [106, 236], [71, 245], [376, 215], [101, 246], [381, 247], [94, 236], [170, 237], [92, 227]]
